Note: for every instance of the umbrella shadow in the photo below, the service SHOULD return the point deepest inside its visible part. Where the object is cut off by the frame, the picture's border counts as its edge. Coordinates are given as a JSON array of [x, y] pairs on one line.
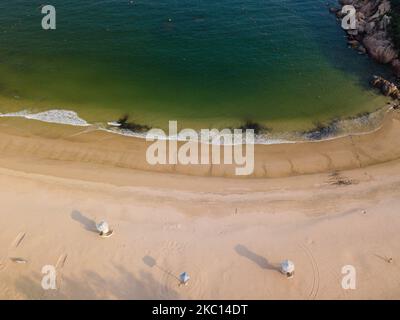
[[151, 262], [90, 285], [86, 222], [262, 262]]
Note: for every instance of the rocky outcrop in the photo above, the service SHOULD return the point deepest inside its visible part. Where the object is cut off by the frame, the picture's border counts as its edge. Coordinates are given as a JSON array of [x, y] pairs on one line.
[[379, 47], [371, 34], [386, 87]]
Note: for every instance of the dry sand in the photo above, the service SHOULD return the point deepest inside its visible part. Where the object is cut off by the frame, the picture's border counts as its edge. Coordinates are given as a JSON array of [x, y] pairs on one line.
[[228, 234]]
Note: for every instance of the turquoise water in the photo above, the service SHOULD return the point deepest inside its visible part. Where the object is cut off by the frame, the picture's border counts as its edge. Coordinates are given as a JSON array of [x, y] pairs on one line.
[[283, 63]]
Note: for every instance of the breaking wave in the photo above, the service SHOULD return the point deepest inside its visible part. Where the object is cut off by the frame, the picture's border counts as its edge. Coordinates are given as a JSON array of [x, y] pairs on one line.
[[336, 129], [68, 117]]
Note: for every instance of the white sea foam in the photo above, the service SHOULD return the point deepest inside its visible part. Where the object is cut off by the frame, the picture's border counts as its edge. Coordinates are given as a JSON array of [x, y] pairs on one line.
[[52, 116], [69, 117], [259, 139], [114, 124]]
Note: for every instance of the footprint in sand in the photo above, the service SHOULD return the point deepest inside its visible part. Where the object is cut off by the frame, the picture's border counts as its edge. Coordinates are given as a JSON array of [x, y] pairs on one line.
[[14, 245], [18, 260]]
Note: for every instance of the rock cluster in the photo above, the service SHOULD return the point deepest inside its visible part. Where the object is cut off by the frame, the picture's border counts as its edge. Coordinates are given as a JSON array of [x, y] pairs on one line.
[[371, 34], [386, 87]]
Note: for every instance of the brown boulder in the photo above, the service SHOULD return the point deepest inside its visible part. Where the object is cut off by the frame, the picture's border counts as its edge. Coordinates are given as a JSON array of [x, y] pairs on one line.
[[386, 87]]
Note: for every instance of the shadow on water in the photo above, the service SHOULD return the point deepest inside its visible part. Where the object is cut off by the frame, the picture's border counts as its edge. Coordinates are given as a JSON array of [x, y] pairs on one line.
[[151, 262]]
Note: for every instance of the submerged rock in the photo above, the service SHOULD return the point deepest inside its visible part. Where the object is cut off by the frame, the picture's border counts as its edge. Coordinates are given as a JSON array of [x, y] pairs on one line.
[[123, 123], [257, 127], [322, 131], [362, 49], [353, 43]]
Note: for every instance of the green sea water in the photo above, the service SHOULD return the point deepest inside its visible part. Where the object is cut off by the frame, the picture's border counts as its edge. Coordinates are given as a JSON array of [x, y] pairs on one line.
[[282, 63]]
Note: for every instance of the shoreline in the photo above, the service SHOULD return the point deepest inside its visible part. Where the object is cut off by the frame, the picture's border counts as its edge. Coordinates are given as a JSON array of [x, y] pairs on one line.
[[33, 141], [362, 123]]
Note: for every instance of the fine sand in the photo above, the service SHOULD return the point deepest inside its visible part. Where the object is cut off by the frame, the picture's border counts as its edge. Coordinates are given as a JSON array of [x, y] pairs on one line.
[[229, 234]]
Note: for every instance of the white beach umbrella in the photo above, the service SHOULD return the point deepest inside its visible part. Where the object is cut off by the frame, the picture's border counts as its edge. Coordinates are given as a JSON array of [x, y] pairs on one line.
[[104, 229], [287, 268], [184, 277]]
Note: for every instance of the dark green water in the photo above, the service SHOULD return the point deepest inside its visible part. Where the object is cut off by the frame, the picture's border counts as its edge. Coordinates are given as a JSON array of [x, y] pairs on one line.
[[283, 63]]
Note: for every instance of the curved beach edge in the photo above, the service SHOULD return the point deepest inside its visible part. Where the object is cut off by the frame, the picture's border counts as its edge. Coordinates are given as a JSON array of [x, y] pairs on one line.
[[33, 142], [177, 223]]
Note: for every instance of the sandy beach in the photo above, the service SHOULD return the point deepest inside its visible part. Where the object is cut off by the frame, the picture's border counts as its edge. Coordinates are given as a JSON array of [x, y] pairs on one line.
[[229, 234]]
